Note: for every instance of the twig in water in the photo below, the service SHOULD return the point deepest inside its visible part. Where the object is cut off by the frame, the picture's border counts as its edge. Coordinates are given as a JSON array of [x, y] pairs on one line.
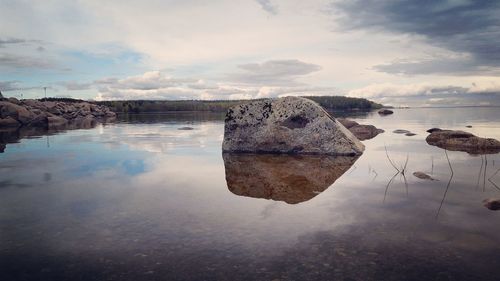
[[432, 163], [447, 186], [376, 175], [389, 183], [390, 161], [484, 173], [480, 171]]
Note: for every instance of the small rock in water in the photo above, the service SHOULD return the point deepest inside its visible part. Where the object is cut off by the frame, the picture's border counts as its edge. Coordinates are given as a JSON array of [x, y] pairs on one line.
[[492, 204], [463, 141], [432, 130], [362, 132], [399, 131], [468, 126], [423, 176], [385, 112], [410, 134], [185, 128]]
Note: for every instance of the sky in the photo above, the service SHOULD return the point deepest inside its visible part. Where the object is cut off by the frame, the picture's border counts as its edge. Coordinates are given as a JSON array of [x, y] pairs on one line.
[[400, 53]]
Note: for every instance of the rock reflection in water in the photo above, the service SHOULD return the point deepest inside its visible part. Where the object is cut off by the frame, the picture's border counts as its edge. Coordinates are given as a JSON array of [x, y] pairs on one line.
[[14, 135], [289, 178]]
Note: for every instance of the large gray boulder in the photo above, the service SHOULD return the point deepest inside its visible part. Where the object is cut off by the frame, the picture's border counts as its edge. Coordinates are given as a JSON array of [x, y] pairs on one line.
[[286, 125]]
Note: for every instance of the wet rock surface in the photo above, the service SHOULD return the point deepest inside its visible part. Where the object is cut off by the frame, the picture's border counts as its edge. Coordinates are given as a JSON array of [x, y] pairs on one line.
[[385, 112], [463, 141], [35, 113], [432, 130], [401, 131], [492, 204], [290, 125], [423, 176], [362, 132], [289, 178]]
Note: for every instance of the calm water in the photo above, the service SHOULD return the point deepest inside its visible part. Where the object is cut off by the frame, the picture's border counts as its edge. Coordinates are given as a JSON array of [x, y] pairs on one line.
[[142, 200]]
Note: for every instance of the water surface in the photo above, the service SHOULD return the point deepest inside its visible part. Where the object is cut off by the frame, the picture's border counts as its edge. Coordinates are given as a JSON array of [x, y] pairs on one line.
[[142, 200]]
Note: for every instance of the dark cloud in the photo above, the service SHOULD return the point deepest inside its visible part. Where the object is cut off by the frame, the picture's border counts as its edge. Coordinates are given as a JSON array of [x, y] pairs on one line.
[[17, 61], [466, 27], [274, 72], [267, 6], [8, 41], [9, 86]]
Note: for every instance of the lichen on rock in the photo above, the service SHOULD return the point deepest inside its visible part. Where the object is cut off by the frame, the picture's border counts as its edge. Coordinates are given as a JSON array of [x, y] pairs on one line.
[[290, 125]]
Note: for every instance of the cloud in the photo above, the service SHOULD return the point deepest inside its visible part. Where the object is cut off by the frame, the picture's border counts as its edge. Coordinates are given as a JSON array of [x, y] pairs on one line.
[[272, 78], [9, 85], [386, 90], [273, 72], [470, 28], [20, 61], [8, 41], [428, 94], [267, 6], [76, 86]]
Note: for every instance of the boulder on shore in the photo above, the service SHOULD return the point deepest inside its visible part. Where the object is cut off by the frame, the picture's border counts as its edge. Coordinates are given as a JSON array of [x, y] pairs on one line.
[[463, 141], [286, 125], [36, 113], [362, 132], [385, 111]]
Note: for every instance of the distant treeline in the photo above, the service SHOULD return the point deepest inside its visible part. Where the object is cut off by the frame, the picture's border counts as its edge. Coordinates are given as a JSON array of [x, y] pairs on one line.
[[330, 103]]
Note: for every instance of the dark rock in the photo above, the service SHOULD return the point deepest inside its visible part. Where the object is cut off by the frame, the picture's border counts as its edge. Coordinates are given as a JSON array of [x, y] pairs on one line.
[[385, 112], [185, 128], [468, 126], [289, 178], [13, 100], [432, 130], [423, 176], [365, 132], [463, 141], [347, 123], [492, 204], [410, 134], [362, 132], [56, 121], [399, 131], [286, 125], [9, 122]]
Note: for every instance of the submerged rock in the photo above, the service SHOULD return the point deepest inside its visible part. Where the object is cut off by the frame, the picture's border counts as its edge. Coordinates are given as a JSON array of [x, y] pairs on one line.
[[492, 204], [400, 131], [289, 178], [185, 128], [410, 134], [286, 125], [385, 112], [463, 141], [423, 176], [362, 132]]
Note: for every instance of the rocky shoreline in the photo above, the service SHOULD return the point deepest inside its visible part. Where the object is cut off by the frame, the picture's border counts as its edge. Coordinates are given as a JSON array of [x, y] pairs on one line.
[[16, 113]]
